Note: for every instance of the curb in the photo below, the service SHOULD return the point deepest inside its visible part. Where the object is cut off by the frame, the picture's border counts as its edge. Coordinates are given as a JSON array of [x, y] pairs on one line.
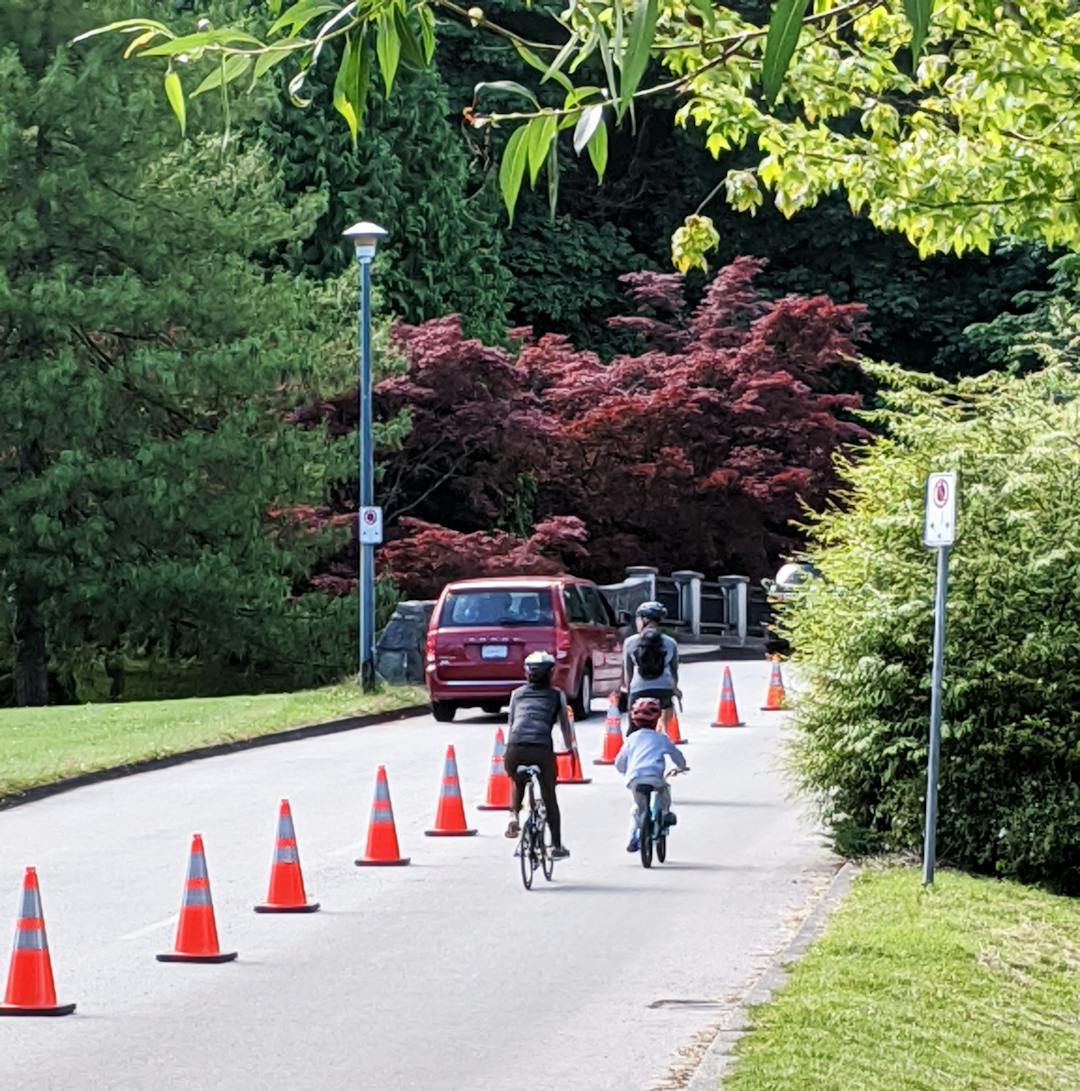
[[718, 1060], [290, 734]]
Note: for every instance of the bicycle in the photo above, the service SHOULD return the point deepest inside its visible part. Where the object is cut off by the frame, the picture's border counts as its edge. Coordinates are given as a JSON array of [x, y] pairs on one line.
[[534, 848], [653, 831]]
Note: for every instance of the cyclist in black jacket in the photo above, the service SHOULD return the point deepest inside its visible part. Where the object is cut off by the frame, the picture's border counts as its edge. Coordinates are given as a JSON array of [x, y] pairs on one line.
[[535, 708]]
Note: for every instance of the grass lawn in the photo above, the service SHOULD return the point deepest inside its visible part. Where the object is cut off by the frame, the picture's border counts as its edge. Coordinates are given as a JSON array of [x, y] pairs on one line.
[[974, 984], [42, 745]]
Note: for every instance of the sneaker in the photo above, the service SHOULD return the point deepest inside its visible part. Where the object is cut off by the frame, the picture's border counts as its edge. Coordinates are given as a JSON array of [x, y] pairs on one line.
[[514, 829], [635, 844], [671, 819], [560, 853]]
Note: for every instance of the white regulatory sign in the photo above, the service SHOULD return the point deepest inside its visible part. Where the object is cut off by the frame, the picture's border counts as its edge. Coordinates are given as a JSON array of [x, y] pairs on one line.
[[371, 526], [939, 528]]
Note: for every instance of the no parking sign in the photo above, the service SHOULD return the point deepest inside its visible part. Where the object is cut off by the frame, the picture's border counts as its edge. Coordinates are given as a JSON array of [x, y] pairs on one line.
[[371, 526]]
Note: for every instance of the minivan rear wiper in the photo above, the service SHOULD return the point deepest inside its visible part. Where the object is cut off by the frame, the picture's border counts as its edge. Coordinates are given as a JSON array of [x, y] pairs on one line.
[[520, 621]]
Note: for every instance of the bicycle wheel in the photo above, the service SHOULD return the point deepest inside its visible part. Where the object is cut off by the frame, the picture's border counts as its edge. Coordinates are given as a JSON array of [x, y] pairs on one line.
[[661, 847], [546, 859], [525, 850], [647, 834]]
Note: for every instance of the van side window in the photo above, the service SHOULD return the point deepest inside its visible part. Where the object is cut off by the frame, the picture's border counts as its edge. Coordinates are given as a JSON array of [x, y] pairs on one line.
[[576, 612], [600, 612]]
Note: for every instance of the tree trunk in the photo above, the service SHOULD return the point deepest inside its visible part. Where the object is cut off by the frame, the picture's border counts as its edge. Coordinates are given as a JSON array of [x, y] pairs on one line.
[[31, 661]]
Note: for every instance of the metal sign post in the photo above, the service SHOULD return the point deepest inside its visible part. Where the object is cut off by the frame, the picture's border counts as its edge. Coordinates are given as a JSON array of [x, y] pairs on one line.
[[939, 532]]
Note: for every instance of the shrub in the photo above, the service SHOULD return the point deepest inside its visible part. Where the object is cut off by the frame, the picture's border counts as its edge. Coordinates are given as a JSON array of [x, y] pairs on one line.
[[1010, 761]]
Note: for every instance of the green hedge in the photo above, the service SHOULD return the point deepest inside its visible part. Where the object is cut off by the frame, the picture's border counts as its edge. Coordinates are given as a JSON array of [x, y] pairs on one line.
[[1010, 790]]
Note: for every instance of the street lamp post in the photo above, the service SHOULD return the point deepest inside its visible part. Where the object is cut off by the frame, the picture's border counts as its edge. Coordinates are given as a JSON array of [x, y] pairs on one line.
[[365, 238]]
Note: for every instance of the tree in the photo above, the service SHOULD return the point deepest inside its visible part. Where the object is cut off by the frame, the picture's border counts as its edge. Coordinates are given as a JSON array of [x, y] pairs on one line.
[[697, 452], [1010, 775], [410, 173], [954, 124], [148, 362]]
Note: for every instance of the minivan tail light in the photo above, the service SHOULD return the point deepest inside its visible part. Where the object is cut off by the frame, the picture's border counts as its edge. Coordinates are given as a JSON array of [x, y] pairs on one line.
[[562, 643], [429, 646]]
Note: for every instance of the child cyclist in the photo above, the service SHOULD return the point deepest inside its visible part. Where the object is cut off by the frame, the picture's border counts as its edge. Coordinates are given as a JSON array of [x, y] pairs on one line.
[[642, 761]]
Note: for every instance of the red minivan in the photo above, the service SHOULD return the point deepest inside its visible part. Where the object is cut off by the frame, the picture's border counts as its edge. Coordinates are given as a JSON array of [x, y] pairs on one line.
[[482, 630]]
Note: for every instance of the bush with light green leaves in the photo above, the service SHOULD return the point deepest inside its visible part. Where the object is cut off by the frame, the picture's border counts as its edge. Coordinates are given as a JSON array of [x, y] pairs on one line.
[[1009, 798]]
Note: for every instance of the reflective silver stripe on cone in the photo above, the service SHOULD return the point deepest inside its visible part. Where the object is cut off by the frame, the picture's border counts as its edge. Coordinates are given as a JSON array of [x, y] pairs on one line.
[[30, 906], [199, 895], [286, 854], [30, 939], [197, 866]]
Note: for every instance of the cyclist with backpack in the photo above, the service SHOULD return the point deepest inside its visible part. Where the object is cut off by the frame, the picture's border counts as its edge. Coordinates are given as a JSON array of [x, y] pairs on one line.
[[535, 709], [651, 662]]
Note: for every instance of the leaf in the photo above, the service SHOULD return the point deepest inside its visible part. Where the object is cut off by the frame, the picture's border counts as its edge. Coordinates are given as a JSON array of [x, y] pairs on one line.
[[549, 71], [274, 55], [141, 40], [388, 49], [785, 26], [299, 15], [598, 146], [174, 92], [541, 132], [553, 179], [591, 117], [506, 85], [636, 58], [512, 168], [124, 26], [918, 15], [412, 52], [344, 88], [427, 33], [191, 43], [230, 69], [705, 9]]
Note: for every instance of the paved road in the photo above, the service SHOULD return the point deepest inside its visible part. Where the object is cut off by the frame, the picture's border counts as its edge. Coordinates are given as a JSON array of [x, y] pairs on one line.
[[442, 976]]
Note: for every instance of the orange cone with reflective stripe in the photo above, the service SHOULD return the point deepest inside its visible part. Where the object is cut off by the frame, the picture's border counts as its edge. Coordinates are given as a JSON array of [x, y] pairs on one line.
[[30, 988], [196, 934], [287, 894], [450, 816], [498, 788], [568, 763], [776, 698], [674, 731], [612, 734], [727, 714], [382, 844]]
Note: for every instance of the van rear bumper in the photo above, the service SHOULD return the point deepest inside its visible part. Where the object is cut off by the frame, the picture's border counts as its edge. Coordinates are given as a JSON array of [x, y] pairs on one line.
[[476, 690]]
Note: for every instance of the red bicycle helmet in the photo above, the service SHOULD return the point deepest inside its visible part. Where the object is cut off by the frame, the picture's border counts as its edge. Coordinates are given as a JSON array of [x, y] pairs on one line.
[[645, 712]]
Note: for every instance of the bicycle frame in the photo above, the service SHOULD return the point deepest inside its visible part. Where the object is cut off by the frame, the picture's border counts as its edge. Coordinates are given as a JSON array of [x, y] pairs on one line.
[[532, 848]]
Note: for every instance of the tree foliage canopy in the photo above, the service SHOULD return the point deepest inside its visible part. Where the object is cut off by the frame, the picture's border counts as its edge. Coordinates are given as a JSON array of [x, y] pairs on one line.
[[953, 122]]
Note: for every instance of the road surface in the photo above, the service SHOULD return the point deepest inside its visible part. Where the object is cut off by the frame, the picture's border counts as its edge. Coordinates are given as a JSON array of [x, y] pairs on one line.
[[441, 976]]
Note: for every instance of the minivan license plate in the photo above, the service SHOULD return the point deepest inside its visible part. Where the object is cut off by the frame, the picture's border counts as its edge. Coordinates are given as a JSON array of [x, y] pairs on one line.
[[494, 651]]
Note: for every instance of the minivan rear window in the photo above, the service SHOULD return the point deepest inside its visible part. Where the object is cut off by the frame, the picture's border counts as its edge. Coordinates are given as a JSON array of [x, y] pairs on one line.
[[497, 608]]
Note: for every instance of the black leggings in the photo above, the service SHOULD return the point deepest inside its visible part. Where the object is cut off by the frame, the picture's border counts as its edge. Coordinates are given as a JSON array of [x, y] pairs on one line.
[[544, 758]]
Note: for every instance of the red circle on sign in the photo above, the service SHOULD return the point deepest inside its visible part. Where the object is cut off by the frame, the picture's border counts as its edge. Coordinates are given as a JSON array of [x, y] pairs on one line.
[[369, 517], [941, 493]]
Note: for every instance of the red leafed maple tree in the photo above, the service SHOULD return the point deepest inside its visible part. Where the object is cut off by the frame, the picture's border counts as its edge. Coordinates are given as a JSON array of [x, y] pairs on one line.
[[697, 453]]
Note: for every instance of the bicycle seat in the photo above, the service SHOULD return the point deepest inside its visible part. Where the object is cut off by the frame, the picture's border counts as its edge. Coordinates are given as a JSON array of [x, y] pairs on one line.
[[529, 770]]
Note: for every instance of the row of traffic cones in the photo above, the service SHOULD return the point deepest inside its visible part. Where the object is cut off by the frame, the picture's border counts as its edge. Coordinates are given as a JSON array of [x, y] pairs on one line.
[[30, 986]]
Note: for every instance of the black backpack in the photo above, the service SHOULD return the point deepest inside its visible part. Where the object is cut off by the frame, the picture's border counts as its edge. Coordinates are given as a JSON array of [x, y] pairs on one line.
[[649, 656]]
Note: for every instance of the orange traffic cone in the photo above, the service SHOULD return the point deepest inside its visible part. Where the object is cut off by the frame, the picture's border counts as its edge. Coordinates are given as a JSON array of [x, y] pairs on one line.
[[30, 988], [568, 763], [612, 734], [727, 715], [674, 731], [450, 817], [498, 789], [382, 845], [287, 894], [776, 698], [196, 934]]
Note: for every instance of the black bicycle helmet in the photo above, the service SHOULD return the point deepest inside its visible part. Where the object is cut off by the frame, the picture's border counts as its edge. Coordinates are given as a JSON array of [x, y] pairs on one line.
[[652, 611], [538, 666]]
